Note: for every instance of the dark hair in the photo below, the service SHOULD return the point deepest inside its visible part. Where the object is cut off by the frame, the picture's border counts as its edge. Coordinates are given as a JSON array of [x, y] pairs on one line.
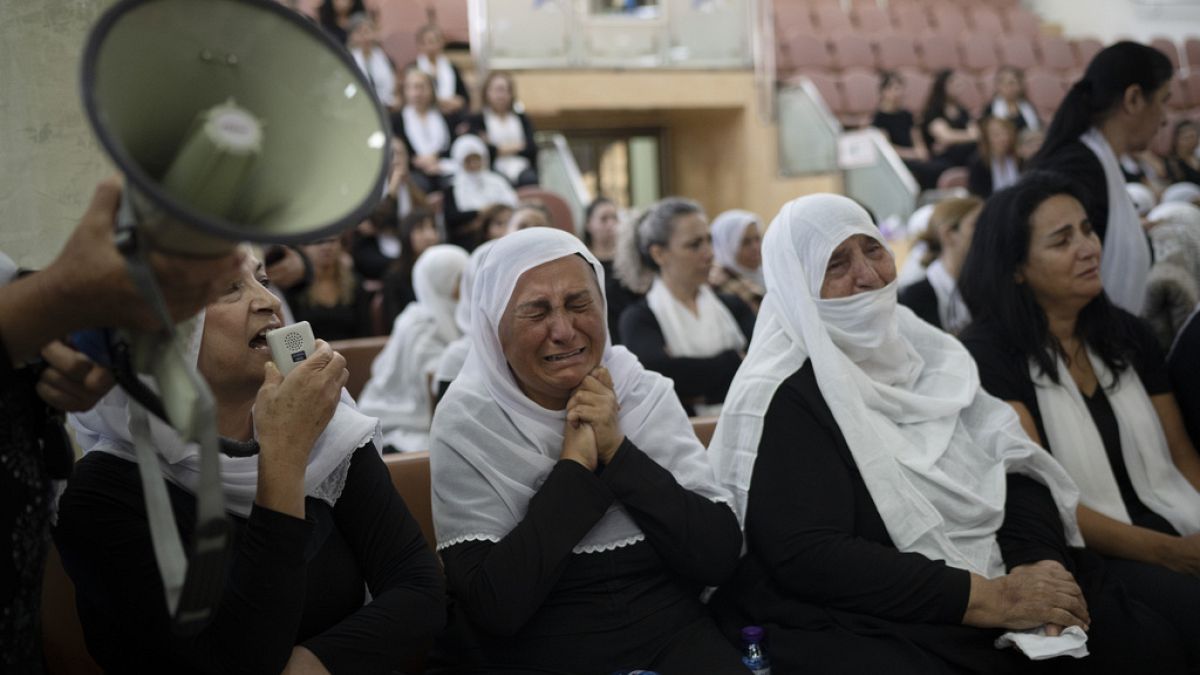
[[414, 219], [485, 218], [1179, 127], [984, 145], [633, 264], [886, 77], [1102, 87], [328, 17], [999, 247], [1016, 72], [939, 97], [587, 217]]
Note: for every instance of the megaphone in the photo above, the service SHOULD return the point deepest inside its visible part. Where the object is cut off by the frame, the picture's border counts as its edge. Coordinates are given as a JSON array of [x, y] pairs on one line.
[[232, 120]]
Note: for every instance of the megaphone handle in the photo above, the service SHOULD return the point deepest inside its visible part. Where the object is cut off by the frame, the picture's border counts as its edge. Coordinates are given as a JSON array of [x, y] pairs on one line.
[[137, 262]]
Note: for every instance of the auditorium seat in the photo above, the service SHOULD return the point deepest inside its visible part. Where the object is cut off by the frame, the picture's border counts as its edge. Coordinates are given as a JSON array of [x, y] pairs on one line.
[[831, 18], [979, 52], [793, 17], [806, 51], [451, 17], [1191, 48], [896, 50], [1017, 51], [851, 50], [1181, 99], [1021, 21], [860, 98], [560, 211], [1167, 46], [410, 475], [984, 19], [826, 85], [949, 20], [938, 52], [1054, 53], [62, 635], [1045, 90], [359, 353], [911, 20], [917, 84], [872, 19], [966, 89], [1085, 50], [1192, 85]]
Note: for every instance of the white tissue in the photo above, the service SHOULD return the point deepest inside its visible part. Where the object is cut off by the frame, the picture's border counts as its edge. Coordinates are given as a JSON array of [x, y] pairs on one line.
[[1038, 646]]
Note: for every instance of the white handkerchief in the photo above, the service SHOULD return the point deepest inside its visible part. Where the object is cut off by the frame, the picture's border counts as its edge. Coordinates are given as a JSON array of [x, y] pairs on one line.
[[1038, 646]]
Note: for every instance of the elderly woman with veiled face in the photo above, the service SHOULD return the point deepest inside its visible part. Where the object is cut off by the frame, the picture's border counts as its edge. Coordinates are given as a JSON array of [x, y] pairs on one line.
[[576, 514]]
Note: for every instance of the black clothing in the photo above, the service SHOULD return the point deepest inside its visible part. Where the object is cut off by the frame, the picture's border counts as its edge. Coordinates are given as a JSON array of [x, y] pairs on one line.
[[530, 602], [338, 322], [708, 378], [618, 297], [1181, 172], [477, 126], [369, 259], [397, 293], [1005, 374], [979, 176], [291, 581], [34, 450], [959, 153], [898, 126], [425, 182], [823, 577], [921, 299], [1017, 119], [1077, 162], [1183, 366]]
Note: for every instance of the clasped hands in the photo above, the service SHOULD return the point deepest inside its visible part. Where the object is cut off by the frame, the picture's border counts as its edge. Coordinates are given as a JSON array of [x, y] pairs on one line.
[[592, 433]]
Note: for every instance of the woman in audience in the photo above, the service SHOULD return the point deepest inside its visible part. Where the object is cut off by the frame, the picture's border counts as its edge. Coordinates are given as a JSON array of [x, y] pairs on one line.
[[493, 221], [897, 122], [314, 516], [737, 251], [576, 513], [335, 16], [1088, 383], [681, 329], [508, 133], [418, 232], [449, 91], [527, 215], [601, 225], [1183, 362], [451, 362], [936, 298], [400, 391], [946, 124], [363, 43], [1182, 164], [1114, 109], [334, 301], [995, 165], [475, 187], [376, 244], [1009, 102], [424, 130], [897, 519]]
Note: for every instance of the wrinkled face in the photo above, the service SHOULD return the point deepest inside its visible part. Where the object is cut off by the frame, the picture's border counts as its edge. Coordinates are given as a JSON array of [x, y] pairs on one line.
[[1148, 115], [1186, 141], [498, 226], [417, 92], [749, 253], [525, 218], [423, 236], [861, 263], [233, 348], [1001, 138], [603, 223], [553, 330], [1063, 264], [499, 94], [431, 43], [473, 163], [688, 255], [1008, 87]]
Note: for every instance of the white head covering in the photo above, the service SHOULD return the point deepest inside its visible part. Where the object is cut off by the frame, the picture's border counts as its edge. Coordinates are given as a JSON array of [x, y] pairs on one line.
[[398, 391], [105, 428], [456, 352], [477, 190], [1125, 261], [932, 447], [492, 446], [1181, 192], [1142, 196], [727, 230]]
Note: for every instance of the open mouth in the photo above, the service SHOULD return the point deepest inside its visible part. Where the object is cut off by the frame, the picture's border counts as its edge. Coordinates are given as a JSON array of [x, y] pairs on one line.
[[554, 358], [260, 340]]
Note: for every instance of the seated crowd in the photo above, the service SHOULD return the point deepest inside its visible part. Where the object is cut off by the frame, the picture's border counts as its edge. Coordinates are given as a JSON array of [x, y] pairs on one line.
[[989, 465]]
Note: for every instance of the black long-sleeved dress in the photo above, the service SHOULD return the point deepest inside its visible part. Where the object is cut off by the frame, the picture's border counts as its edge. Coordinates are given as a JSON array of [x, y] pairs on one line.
[[291, 581], [695, 378], [834, 594], [529, 602]]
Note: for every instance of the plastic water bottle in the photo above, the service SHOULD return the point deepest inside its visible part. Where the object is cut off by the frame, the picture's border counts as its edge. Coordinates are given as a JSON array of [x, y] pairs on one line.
[[755, 657]]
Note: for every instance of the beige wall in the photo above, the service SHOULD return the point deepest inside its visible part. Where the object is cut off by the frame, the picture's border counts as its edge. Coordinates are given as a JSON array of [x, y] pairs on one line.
[[721, 153], [49, 160]]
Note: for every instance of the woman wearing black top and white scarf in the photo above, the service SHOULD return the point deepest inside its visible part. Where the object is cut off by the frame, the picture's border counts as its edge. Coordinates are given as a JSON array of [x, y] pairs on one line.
[[425, 131]]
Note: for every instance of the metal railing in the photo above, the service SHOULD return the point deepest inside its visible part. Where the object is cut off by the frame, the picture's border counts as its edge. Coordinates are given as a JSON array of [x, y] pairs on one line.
[[558, 172]]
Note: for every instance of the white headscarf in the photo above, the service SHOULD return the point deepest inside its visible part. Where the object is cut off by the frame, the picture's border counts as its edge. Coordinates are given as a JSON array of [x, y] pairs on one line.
[[1181, 192], [1125, 262], [727, 231], [492, 446], [398, 391], [379, 72], [932, 447], [1142, 196], [105, 428], [456, 352], [477, 190]]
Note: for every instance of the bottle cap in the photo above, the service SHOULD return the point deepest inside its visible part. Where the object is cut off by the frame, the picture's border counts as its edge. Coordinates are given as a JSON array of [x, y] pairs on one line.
[[752, 634]]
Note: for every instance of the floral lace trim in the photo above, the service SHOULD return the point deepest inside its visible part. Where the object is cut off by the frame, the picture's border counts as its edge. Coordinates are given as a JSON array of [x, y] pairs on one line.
[[465, 538], [330, 489], [595, 548]]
